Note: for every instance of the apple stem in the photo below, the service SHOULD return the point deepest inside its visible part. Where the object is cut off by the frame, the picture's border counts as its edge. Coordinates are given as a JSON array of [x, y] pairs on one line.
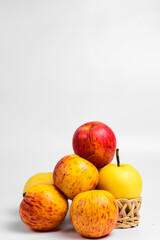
[[91, 157], [117, 156]]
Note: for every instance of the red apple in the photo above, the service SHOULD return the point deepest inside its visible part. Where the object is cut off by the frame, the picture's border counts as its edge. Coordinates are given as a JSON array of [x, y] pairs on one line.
[[96, 142]]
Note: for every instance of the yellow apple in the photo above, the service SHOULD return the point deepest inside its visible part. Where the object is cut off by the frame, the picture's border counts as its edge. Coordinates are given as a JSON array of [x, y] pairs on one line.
[[45, 177], [123, 181]]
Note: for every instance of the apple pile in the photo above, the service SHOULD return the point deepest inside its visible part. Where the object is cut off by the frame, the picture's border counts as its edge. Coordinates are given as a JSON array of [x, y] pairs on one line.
[[89, 179]]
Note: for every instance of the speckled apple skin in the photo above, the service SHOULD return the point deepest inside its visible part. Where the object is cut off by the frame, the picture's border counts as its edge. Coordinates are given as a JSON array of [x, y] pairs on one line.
[[73, 175], [96, 142], [43, 207], [94, 213]]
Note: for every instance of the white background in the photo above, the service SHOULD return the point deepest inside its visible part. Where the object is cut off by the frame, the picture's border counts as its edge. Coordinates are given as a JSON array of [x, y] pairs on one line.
[[62, 64]]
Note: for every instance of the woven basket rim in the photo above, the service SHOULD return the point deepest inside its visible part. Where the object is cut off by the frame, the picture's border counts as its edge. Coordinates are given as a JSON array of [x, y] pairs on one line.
[[130, 199]]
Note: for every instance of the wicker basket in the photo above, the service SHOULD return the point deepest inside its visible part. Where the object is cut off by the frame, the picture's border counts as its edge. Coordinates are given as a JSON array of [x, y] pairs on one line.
[[128, 212]]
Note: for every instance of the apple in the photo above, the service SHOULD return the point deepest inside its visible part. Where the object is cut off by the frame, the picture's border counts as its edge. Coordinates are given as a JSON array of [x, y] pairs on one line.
[[94, 213], [45, 177], [73, 174], [123, 181], [43, 207], [96, 142]]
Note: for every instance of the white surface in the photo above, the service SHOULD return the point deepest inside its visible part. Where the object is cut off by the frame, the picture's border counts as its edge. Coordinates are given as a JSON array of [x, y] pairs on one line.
[[64, 63]]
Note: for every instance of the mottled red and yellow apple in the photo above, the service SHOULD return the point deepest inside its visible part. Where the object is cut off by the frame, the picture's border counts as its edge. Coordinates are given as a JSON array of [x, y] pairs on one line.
[[73, 175], [43, 207], [94, 213]]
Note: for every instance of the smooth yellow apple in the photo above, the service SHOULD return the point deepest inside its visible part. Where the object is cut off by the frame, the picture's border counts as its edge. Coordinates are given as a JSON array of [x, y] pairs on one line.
[[45, 177], [123, 181]]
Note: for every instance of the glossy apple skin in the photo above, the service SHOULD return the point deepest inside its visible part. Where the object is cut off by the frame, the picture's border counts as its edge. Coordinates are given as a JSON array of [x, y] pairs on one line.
[[96, 142], [73, 174], [122, 181], [94, 213], [43, 207]]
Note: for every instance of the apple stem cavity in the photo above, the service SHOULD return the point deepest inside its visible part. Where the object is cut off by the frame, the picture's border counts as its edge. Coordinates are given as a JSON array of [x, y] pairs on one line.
[[117, 156]]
